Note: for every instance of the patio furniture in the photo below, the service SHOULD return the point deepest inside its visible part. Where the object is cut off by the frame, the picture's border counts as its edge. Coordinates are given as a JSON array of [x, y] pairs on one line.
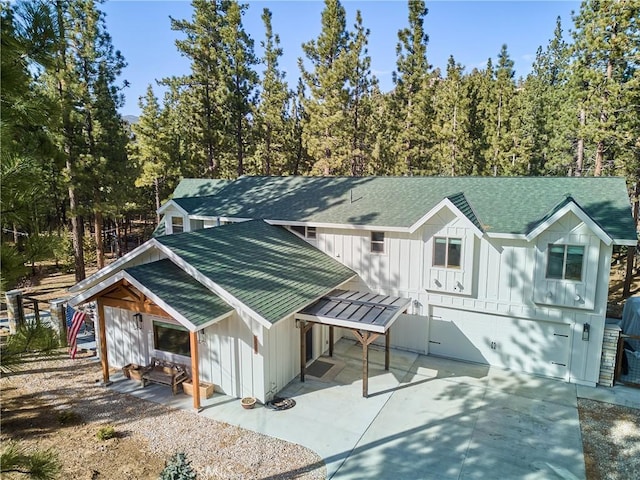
[[164, 373]]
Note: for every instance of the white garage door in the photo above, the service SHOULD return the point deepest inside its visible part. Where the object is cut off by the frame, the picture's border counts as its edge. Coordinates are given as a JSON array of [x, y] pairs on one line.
[[521, 345]]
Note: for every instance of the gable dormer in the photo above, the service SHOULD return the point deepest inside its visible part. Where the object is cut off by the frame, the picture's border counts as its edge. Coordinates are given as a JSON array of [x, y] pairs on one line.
[[451, 237], [567, 249]]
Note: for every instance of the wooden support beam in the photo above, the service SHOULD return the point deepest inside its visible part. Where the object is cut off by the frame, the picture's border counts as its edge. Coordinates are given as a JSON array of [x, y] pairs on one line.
[[134, 306], [331, 340], [365, 338], [387, 345], [104, 358], [195, 380], [303, 350]]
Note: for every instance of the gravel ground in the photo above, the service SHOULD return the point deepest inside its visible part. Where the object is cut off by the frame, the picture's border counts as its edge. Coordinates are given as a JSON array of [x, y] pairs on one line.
[[611, 440], [147, 432]]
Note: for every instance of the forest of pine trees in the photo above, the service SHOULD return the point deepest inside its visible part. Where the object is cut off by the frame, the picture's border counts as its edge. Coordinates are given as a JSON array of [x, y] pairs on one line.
[[70, 163]]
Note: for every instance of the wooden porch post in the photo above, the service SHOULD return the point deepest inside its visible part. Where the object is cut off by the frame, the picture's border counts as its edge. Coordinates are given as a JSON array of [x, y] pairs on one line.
[[331, 340], [104, 360], [303, 349], [195, 380], [387, 344], [365, 338]]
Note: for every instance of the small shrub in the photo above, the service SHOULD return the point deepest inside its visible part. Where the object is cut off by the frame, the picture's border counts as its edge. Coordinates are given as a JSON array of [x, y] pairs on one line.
[[178, 468], [67, 417], [106, 432]]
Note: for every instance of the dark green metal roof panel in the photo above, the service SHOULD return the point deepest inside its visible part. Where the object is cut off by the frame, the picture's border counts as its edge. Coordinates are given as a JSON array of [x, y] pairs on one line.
[[199, 187], [499, 204], [267, 268], [180, 291]]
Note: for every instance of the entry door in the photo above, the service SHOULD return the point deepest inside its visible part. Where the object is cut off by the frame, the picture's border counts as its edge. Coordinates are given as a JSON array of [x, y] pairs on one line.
[[309, 344]]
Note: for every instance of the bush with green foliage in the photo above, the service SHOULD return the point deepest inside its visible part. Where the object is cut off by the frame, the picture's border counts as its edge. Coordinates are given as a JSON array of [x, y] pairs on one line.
[[39, 465], [11, 266], [178, 468], [31, 338], [106, 432], [68, 417]]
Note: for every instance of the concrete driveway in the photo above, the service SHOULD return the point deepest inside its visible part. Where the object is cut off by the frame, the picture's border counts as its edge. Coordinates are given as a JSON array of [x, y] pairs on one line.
[[425, 418]]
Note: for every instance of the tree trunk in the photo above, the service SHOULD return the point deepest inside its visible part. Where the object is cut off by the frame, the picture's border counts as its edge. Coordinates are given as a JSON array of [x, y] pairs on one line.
[[580, 147], [626, 290], [97, 225], [156, 187]]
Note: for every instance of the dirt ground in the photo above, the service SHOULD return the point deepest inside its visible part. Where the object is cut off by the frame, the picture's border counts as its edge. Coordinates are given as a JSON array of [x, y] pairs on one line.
[[39, 422], [611, 434]]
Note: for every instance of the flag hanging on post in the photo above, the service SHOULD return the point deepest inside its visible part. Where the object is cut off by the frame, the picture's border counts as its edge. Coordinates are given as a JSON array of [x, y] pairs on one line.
[[75, 319]]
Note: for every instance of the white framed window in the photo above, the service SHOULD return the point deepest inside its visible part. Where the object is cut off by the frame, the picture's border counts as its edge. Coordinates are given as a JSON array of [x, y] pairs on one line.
[[447, 252], [377, 242], [177, 224], [565, 262], [311, 232]]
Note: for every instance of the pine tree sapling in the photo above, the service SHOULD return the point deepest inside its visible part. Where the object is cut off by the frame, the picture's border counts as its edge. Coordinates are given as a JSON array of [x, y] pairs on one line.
[[178, 468]]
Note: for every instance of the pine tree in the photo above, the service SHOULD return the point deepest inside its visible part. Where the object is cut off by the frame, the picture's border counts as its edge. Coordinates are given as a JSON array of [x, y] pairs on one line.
[[151, 148], [452, 152], [206, 85], [240, 79], [272, 115], [605, 79], [413, 95], [359, 110], [503, 158], [326, 108]]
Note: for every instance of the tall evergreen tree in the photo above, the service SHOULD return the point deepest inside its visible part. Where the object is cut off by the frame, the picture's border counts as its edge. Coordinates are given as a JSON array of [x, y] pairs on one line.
[[240, 79], [203, 45], [452, 152], [503, 106], [151, 148], [359, 111], [606, 76], [413, 94], [272, 114], [326, 108]]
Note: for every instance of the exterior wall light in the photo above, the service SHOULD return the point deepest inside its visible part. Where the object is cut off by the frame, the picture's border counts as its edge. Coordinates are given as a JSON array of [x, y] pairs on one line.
[[139, 322]]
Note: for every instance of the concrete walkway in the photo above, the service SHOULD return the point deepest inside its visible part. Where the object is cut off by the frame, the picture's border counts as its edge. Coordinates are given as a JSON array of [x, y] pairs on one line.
[[425, 418]]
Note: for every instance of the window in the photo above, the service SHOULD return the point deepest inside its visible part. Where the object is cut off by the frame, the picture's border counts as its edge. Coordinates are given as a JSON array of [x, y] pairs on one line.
[[447, 252], [377, 242], [564, 262], [197, 225], [311, 232], [171, 338], [177, 224]]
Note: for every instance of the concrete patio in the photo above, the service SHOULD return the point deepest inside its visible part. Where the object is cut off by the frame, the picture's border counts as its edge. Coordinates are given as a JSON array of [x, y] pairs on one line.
[[425, 418]]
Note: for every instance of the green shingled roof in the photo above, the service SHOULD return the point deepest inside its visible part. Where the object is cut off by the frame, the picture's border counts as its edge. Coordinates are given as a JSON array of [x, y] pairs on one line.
[[199, 187], [514, 205], [267, 268], [180, 291]]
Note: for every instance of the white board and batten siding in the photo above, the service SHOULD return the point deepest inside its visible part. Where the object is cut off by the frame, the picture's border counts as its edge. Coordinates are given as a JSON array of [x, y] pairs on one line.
[[126, 343], [228, 360], [501, 282]]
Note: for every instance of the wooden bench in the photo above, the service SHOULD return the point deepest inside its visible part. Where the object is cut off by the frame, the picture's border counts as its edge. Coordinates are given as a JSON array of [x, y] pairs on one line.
[[164, 373]]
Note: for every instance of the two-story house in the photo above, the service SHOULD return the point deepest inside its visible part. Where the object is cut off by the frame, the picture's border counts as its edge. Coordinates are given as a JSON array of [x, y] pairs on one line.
[[511, 272]]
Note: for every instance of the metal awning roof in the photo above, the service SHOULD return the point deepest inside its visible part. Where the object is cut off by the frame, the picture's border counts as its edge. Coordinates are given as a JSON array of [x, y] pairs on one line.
[[356, 310]]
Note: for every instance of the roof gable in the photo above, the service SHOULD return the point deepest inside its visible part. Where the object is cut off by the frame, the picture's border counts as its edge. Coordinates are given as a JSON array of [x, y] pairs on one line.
[[268, 269], [566, 206]]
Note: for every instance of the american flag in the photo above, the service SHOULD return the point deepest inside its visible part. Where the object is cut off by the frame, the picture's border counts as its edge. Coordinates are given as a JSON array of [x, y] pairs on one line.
[[75, 319]]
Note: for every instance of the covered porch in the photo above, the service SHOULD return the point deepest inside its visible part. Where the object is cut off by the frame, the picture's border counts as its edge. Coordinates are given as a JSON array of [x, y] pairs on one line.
[[367, 315], [159, 291]]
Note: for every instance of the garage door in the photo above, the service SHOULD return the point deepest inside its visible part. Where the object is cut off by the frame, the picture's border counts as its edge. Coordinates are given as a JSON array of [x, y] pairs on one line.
[[517, 344]]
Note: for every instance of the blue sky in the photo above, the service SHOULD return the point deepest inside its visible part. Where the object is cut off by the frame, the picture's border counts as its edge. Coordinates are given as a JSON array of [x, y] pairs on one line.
[[471, 31]]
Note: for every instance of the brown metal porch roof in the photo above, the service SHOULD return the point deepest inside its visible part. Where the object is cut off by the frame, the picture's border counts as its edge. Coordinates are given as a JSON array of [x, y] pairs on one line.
[[356, 310]]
